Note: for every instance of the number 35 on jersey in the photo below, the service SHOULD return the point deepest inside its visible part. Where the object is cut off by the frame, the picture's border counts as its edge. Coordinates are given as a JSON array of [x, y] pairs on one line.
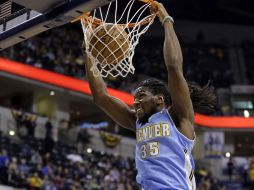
[[150, 149]]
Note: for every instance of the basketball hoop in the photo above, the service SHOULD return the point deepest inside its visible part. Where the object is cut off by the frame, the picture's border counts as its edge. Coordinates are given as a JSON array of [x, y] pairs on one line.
[[123, 30]]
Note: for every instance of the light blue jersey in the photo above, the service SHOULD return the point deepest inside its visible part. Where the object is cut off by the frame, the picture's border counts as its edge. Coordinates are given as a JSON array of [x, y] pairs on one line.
[[163, 155]]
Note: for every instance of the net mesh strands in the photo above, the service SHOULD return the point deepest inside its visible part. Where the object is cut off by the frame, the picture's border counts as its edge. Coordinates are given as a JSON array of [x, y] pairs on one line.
[[124, 28]]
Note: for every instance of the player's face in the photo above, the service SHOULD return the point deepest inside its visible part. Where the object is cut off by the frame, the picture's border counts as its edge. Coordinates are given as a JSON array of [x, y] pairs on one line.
[[144, 104]]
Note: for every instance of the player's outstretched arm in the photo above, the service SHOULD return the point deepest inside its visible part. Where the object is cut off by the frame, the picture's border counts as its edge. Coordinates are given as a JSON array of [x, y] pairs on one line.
[[182, 109], [115, 108]]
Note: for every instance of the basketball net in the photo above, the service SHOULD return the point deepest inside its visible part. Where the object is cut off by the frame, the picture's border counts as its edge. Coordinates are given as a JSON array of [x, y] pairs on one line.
[[133, 23]]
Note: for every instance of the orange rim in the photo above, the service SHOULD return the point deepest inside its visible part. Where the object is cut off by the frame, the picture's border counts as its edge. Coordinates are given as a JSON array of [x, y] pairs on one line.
[[97, 22]]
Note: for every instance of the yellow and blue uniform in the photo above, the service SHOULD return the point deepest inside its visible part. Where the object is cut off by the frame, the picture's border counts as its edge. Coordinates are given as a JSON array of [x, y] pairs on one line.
[[163, 155]]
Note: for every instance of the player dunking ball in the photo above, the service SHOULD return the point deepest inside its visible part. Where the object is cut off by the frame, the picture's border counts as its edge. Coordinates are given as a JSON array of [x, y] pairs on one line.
[[163, 121]]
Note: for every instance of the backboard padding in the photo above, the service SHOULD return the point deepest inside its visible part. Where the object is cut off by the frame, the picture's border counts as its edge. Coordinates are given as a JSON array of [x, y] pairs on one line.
[[32, 22]]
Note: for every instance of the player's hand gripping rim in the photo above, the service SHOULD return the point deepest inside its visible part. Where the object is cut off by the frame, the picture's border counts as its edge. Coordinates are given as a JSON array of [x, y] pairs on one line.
[[160, 11]]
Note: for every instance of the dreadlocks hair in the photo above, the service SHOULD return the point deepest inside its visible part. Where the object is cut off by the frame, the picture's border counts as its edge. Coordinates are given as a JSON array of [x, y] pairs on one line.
[[203, 99], [156, 86]]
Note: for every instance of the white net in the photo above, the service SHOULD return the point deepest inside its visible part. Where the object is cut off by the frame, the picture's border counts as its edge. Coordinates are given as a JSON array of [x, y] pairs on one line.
[[111, 39]]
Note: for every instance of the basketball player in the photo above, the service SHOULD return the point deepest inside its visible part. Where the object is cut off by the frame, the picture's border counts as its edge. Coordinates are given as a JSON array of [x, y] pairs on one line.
[[163, 121]]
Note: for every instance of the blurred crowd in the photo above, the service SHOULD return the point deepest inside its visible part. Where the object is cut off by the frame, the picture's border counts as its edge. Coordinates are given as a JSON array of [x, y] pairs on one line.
[[30, 162], [202, 61], [243, 172], [49, 51], [27, 164], [206, 182]]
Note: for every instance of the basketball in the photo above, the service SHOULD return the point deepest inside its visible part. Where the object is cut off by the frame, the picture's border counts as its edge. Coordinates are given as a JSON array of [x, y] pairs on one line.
[[109, 44]]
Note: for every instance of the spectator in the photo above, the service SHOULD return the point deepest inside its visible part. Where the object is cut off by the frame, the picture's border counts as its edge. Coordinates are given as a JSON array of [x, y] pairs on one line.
[[49, 185], [4, 161], [49, 141], [47, 170], [230, 168], [13, 171], [48, 127], [35, 182], [31, 125], [23, 166], [36, 158], [251, 174]]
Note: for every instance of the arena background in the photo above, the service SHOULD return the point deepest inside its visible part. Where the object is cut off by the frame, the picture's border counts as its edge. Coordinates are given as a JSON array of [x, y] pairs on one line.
[[54, 137]]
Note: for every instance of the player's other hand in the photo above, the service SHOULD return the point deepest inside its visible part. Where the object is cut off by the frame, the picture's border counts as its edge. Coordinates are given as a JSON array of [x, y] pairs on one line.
[[159, 10]]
